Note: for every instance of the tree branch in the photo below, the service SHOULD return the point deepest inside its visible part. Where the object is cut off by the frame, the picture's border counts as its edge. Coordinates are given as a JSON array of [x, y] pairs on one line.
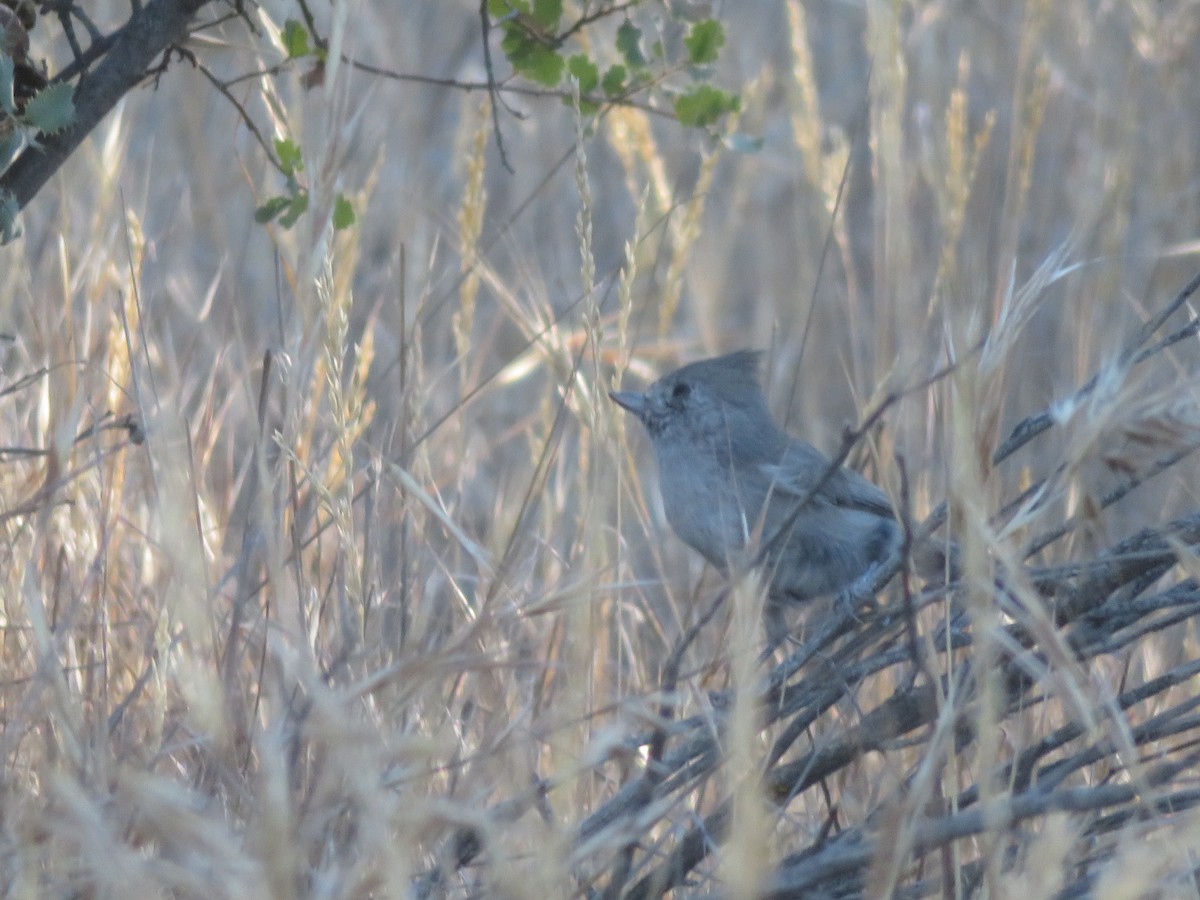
[[149, 31]]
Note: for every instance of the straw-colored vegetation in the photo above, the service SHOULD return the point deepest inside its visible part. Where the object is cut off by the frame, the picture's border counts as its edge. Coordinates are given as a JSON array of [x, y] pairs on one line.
[[328, 568]]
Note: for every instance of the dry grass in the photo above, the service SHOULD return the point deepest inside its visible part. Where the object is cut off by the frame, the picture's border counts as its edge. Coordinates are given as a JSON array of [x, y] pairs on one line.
[[384, 603]]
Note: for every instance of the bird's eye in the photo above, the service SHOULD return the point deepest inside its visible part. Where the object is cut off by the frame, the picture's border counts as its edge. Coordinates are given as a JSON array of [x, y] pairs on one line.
[[680, 391]]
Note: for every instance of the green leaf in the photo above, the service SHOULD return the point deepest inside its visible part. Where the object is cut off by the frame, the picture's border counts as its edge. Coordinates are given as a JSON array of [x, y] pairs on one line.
[[586, 107], [297, 206], [343, 213], [534, 60], [629, 45], [6, 85], [703, 105], [51, 109], [585, 72], [703, 41], [501, 9], [295, 39], [547, 13], [271, 209], [613, 82], [289, 156]]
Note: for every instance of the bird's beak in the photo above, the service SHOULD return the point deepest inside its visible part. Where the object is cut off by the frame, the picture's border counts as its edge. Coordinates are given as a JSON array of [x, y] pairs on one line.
[[630, 400]]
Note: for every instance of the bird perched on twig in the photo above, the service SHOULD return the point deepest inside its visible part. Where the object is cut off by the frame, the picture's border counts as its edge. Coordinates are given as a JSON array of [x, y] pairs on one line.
[[728, 473]]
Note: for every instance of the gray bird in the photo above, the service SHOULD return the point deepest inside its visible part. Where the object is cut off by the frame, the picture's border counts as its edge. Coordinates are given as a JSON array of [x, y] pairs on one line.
[[728, 473]]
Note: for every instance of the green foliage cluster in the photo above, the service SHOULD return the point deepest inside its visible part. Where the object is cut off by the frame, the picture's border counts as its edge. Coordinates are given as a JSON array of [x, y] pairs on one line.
[[288, 207], [566, 57], [535, 41], [538, 44]]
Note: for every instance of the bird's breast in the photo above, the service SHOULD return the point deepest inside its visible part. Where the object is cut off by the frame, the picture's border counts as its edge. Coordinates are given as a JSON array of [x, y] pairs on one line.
[[705, 507]]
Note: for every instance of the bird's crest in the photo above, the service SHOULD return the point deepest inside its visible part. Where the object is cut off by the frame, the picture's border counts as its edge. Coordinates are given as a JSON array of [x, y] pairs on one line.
[[733, 377]]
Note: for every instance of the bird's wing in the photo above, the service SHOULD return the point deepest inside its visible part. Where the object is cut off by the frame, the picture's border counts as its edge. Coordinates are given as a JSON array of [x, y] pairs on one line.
[[801, 467]]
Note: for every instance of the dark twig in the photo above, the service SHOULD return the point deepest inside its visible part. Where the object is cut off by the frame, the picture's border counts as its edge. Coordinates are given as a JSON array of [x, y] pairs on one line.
[[653, 771], [485, 23], [1034, 425]]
